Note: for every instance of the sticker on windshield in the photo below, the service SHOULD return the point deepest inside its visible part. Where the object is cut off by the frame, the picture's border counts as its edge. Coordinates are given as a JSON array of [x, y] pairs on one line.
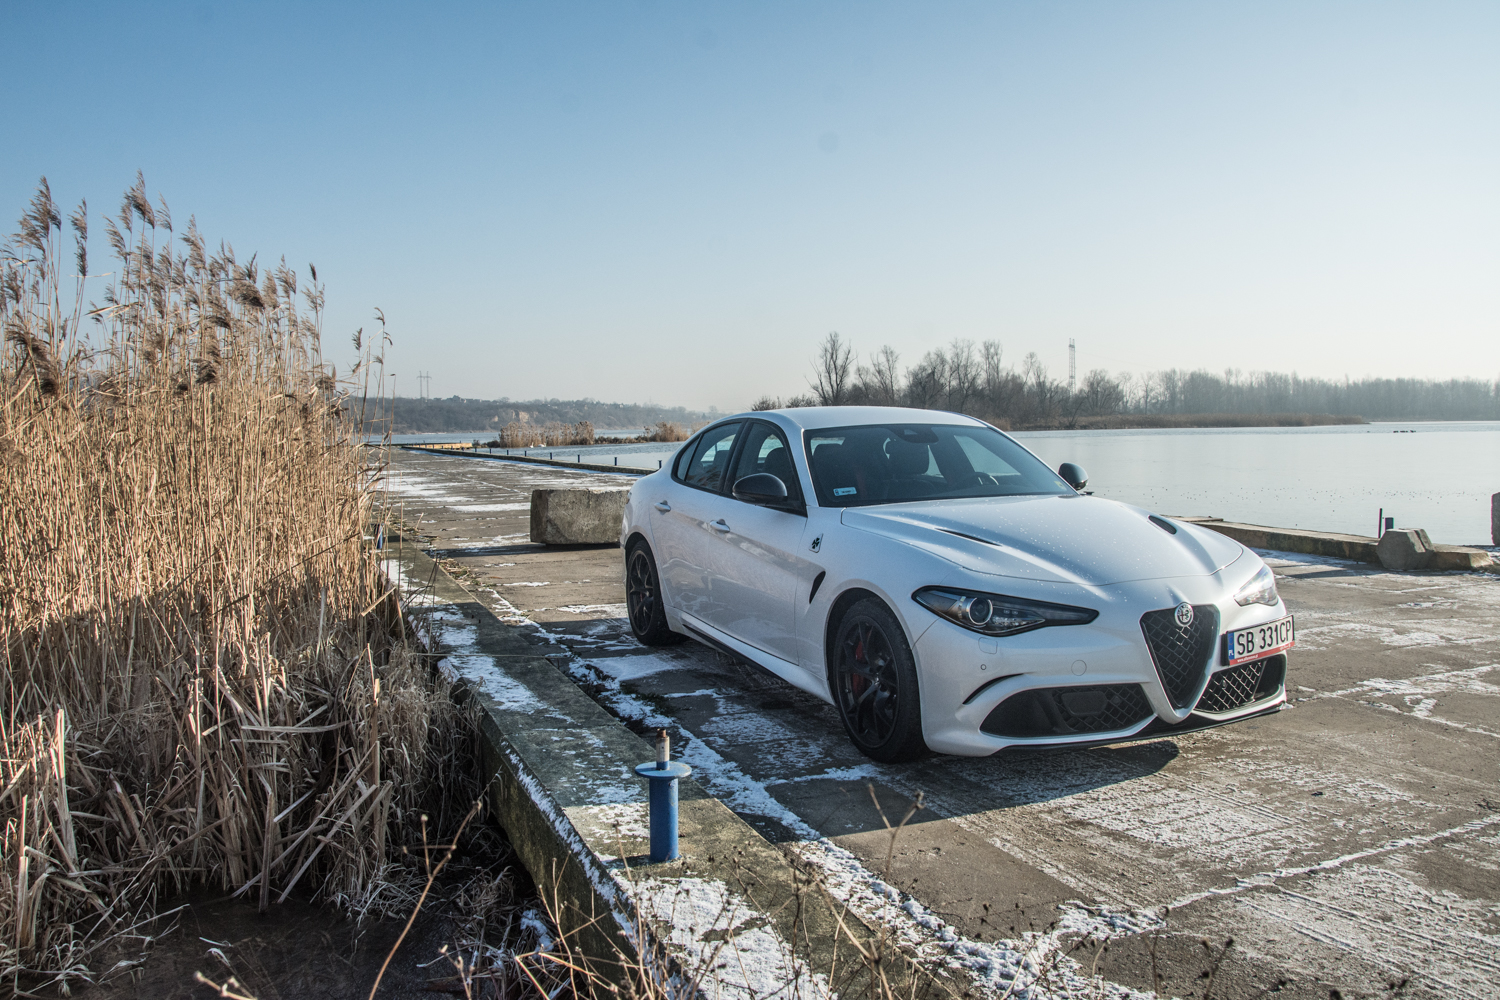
[[845, 491]]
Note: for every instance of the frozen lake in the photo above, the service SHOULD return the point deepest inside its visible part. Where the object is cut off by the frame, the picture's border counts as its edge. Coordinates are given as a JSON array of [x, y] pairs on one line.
[[1437, 476]]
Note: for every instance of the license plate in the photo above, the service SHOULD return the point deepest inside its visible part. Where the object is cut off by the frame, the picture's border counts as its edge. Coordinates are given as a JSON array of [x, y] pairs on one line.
[[1246, 644]]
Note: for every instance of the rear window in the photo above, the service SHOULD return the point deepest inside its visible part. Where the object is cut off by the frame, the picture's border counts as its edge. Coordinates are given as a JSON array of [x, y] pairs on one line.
[[901, 463], [707, 463]]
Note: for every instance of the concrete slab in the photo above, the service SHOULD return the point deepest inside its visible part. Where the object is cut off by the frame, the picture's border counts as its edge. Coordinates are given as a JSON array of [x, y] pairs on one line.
[[734, 915], [1348, 842]]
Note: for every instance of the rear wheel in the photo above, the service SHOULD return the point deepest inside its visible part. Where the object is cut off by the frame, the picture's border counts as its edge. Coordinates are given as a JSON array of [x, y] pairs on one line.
[[643, 599], [875, 684]]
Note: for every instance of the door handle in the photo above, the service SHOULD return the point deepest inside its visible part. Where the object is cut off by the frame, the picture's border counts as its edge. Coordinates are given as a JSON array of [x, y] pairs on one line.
[[663, 506], [719, 525]]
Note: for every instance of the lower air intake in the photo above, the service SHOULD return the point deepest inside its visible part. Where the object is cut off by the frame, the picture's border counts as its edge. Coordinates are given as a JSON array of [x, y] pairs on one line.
[[1243, 685], [1069, 711]]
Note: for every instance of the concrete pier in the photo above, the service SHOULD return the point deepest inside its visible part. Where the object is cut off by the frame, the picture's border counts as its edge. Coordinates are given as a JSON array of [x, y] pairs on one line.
[[1345, 842]]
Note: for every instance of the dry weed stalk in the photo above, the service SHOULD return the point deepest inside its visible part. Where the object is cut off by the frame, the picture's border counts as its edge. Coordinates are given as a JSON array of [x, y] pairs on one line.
[[202, 683], [518, 434]]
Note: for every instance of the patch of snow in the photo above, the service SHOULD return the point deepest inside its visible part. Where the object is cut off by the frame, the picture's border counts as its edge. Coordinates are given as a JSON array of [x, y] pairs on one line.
[[489, 508], [611, 611], [731, 950], [629, 819]]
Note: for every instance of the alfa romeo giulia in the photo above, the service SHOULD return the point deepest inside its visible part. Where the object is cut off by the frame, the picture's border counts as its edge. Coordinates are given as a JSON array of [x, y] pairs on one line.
[[946, 590]]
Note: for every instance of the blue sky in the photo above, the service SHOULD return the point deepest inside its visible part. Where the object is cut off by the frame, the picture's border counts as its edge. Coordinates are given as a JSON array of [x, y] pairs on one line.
[[675, 201]]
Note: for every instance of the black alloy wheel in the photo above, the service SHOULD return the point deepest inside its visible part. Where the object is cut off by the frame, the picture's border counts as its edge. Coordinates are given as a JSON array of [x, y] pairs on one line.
[[643, 600], [875, 684]]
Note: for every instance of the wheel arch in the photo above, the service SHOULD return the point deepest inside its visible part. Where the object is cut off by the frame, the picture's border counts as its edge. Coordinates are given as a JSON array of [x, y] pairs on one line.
[[836, 609]]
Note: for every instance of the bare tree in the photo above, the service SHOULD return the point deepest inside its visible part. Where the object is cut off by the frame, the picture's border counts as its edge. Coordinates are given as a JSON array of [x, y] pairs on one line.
[[927, 381], [963, 375], [833, 370], [1100, 394], [880, 382]]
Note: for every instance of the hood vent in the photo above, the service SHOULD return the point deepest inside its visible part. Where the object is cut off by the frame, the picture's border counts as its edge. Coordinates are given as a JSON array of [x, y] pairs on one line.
[[972, 538], [1163, 524]]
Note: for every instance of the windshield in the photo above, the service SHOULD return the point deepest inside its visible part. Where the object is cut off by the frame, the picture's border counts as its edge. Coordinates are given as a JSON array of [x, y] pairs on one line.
[[854, 466]]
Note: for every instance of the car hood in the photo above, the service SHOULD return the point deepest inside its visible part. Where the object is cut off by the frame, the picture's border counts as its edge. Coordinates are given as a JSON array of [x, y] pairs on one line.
[[1072, 539]]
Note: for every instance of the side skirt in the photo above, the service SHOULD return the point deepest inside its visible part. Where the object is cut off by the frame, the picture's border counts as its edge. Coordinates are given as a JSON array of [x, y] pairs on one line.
[[727, 644]]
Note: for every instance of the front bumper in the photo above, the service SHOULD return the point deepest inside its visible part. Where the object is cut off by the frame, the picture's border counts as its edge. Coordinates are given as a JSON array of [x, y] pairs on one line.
[[1089, 684]]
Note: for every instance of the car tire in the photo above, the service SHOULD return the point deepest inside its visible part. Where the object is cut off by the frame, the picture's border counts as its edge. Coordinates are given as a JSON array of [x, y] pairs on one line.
[[643, 599], [874, 681]]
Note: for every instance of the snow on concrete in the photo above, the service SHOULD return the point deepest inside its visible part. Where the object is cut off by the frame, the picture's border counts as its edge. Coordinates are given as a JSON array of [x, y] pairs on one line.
[[729, 950], [1032, 968], [1417, 694], [491, 508], [628, 819]]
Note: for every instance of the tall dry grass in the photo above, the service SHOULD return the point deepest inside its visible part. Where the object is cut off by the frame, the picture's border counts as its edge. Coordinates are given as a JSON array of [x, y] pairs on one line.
[[205, 681], [518, 434], [665, 430]]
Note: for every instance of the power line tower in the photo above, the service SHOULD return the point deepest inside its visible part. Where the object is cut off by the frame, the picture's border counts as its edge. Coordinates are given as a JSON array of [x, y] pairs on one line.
[[424, 385], [1072, 365]]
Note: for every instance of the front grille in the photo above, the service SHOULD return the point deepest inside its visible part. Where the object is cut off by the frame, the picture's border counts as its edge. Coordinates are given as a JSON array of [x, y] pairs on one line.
[[1069, 711], [1243, 685], [1182, 655]]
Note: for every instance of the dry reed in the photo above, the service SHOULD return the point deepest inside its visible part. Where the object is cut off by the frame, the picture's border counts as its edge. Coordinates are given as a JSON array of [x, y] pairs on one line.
[[665, 430], [517, 434], [205, 680]]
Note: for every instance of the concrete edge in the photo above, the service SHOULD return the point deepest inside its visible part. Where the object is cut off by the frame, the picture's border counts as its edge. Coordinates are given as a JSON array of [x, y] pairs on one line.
[[1358, 548], [565, 791], [623, 470], [1319, 543]]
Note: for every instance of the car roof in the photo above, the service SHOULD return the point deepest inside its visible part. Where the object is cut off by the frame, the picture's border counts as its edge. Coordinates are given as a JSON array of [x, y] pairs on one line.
[[814, 418]]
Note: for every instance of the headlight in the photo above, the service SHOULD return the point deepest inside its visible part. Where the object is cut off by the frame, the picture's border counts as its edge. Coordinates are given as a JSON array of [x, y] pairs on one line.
[[1260, 590], [996, 614]]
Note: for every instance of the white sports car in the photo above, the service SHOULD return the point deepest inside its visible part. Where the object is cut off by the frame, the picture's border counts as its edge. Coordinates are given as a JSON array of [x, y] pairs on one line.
[[944, 589]]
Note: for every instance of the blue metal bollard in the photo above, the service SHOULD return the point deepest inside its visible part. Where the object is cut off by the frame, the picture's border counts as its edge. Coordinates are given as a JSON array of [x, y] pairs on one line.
[[663, 774]]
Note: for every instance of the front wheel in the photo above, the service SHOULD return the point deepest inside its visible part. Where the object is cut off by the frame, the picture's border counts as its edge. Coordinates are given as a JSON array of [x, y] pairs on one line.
[[875, 684], [643, 599]]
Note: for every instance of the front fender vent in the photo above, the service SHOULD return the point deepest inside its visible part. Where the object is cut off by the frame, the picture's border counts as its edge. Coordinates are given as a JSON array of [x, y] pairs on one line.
[[1182, 655]]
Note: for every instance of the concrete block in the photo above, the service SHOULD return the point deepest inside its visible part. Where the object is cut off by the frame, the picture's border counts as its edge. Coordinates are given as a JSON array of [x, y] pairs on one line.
[[577, 516], [1401, 550], [1495, 519]]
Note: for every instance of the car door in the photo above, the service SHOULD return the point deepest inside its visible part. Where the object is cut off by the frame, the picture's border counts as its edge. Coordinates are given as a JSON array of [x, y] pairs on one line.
[[756, 571], [684, 539]]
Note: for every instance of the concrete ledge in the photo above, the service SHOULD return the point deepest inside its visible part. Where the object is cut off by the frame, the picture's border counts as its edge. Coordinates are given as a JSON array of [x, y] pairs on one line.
[[577, 516], [624, 470], [1459, 557], [734, 915], [1321, 543], [1402, 554]]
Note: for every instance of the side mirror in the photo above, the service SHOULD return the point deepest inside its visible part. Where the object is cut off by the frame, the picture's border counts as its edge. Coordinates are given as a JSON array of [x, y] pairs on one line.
[[1073, 475], [762, 489]]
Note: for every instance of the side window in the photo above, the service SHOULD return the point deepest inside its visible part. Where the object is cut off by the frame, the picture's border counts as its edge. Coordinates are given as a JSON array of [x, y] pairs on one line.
[[766, 451], [710, 460], [683, 461]]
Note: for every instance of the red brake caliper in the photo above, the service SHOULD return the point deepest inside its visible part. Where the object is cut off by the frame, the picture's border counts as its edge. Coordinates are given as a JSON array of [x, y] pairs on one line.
[[857, 682]]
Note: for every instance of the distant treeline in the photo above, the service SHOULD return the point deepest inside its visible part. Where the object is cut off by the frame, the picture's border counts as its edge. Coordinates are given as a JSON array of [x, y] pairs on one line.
[[458, 415], [972, 378]]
